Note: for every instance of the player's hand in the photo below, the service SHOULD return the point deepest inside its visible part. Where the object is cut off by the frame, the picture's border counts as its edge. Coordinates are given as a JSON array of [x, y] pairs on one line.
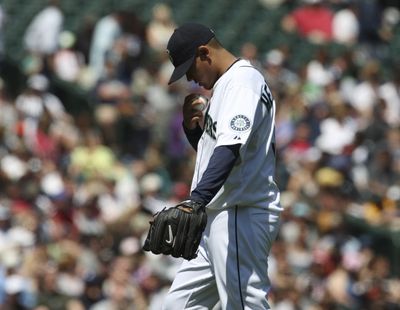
[[192, 111]]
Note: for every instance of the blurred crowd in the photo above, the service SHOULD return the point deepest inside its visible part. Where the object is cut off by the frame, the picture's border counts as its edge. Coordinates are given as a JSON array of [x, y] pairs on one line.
[[77, 190]]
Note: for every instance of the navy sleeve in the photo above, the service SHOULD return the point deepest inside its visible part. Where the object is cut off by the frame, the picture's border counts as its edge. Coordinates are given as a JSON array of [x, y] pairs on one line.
[[193, 135], [221, 163]]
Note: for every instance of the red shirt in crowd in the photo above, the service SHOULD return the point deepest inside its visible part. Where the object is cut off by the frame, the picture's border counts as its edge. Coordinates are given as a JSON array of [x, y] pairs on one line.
[[314, 19]]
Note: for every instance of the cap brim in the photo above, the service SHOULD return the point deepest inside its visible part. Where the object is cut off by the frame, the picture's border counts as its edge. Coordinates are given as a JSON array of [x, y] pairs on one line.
[[181, 70]]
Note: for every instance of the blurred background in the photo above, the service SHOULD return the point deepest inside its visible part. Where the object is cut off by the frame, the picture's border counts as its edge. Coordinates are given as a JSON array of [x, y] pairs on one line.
[[91, 146]]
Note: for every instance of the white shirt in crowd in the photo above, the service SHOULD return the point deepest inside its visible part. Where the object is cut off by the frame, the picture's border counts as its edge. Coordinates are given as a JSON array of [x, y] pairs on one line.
[[43, 32]]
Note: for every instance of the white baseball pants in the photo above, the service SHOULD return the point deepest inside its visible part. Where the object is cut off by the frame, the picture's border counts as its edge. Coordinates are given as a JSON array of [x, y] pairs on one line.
[[232, 263]]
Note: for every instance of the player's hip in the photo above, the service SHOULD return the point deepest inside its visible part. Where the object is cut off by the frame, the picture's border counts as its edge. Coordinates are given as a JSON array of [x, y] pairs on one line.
[[268, 202]]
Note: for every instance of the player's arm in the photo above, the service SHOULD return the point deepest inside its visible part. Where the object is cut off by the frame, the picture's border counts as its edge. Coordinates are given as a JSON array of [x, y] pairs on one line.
[[193, 135], [219, 167], [192, 118]]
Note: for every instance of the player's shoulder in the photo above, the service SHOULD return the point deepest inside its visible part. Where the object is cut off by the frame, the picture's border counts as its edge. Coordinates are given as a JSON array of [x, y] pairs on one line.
[[245, 73], [242, 74]]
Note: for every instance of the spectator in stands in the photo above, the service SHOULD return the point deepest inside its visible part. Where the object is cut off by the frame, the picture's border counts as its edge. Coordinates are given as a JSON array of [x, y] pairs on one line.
[[105, 32], [370, 18], [345, 24], [312, 20], [117, 41], [249, 51], [337, 131], [278, 76], [67, 63], [160, 27], [41, 36], [390, 93], [134, 39], [110, 88], [390, 19], [365, 93], [37, 107], [92, 159], [8, 117]]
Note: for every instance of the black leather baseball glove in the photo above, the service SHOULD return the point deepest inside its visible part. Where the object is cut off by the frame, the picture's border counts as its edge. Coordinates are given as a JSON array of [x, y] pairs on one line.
[[177, 231]]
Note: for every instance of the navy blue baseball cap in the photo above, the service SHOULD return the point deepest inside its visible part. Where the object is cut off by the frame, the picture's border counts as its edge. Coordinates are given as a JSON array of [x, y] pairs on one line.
[[183, 44]]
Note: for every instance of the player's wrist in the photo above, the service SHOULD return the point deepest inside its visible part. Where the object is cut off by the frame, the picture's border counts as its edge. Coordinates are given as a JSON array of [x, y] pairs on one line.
[[189, 126], [193, 204]]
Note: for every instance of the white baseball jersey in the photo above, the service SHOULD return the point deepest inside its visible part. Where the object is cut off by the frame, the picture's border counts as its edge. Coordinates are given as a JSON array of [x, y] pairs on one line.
[[241, 111]]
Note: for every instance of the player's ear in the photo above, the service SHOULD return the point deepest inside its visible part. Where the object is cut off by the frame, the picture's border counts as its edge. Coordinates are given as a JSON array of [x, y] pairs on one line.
[[203, 52]]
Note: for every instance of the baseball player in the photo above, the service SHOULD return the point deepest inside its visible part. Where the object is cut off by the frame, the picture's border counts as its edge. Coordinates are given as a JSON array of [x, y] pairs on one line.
[[233, 177]]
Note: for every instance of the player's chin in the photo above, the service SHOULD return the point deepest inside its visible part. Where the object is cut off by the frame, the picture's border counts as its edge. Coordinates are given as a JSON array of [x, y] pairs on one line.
[[206, 86]]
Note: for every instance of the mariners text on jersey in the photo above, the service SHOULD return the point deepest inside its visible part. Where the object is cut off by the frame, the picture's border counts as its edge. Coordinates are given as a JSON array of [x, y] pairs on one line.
[[210, 127]]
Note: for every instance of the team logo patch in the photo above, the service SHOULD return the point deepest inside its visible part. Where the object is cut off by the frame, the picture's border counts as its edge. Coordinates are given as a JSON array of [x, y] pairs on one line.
[[240, 123]]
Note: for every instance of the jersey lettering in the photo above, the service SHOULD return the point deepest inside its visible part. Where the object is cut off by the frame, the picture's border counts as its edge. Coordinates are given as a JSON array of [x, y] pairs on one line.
[[210, 127], [266, 97]]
